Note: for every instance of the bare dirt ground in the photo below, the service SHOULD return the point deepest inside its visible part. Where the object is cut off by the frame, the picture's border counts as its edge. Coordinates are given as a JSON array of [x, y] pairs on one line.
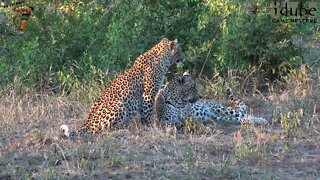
[[286, 148]]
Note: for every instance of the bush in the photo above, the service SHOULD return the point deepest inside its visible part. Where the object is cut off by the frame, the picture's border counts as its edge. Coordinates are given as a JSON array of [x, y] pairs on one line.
[[65, 41]]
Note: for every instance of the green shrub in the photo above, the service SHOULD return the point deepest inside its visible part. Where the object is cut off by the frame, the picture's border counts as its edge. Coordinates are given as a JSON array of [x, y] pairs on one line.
[[70, 38]]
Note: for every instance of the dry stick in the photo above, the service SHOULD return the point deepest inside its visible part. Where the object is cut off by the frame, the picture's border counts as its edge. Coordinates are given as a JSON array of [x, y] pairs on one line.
[[253, 69], [205, 61], [64, 157]]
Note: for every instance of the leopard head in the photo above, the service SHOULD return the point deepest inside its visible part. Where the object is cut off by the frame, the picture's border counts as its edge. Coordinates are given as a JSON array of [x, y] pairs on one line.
[[168, 53], [182, 90], [176, 52], [188, 88]]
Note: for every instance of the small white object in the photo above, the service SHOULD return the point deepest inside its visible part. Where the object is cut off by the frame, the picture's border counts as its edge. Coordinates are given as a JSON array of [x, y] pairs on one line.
[[65, 130], [186, 73]]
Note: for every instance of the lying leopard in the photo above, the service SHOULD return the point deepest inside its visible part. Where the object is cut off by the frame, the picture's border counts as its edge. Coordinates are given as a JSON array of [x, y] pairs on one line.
[[132, 92], [175, 104], [180, 91], [209, 110]]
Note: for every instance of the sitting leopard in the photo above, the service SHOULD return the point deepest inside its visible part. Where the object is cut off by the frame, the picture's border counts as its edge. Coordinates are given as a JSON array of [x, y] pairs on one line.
[[180, 91], [209, 110], [132, 92]]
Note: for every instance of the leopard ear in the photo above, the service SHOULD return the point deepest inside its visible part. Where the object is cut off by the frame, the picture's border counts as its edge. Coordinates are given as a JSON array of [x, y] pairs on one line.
[[183, 79], [180, 79], [165, 40], [186, 73], [173, 44]]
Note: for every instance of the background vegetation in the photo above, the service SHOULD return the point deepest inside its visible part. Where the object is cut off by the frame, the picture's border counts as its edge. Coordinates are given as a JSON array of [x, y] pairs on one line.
[[68, 42], [51, 75]]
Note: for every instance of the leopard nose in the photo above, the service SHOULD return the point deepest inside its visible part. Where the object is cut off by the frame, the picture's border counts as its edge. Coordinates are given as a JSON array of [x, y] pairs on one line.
[[179, 64], [193, 100]]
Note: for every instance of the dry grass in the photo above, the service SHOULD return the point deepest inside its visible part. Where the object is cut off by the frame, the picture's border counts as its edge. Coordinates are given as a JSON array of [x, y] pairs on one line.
[[287, 148]]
